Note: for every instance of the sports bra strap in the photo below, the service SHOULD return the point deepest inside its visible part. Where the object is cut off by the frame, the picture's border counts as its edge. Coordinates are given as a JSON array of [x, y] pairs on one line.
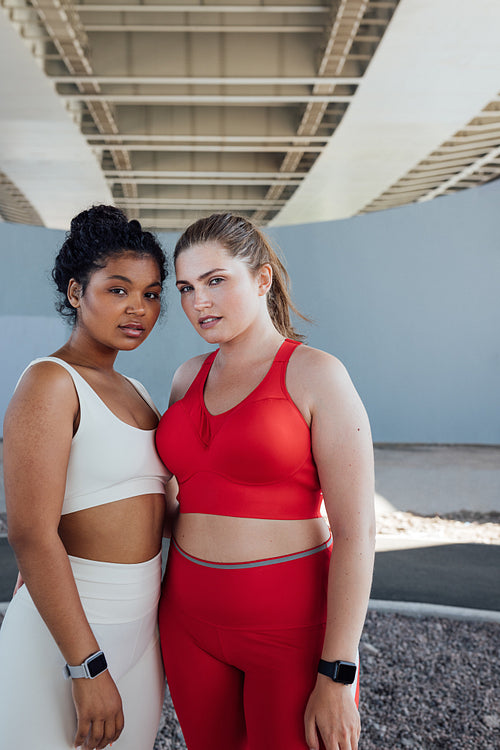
[[281, 361], [207, 363], [201, 375], [281, 358], [286, 350]]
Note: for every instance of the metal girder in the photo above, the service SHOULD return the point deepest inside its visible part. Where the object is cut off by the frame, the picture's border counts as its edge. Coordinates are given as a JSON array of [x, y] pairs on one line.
[[70, 39], [264, 28], [449, 162], [195, 174], [194, 180], [271, 166], [192, 203], [426, 170], [422, 184], [466, 145], [206, 99], [465, 160], [209, 80], [465, 173], [167, 8], [14, 206], [217, 149], [344, 34], [66, 32], [343, 31], [476, 128], [197, 138]]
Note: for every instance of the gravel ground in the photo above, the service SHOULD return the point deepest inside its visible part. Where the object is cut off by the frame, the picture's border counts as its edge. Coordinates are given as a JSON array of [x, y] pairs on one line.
[[426, 682], [429, 683]]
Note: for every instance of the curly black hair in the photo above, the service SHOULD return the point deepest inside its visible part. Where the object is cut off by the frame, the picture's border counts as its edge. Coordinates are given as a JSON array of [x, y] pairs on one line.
[[95, 235]]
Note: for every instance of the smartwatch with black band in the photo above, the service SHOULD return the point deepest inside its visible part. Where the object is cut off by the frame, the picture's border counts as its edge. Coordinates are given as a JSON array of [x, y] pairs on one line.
[[93, 666], [338, 671]]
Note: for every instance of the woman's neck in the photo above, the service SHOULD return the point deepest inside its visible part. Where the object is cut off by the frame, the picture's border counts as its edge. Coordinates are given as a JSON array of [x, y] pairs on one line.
[[257, 344], [79, 350]]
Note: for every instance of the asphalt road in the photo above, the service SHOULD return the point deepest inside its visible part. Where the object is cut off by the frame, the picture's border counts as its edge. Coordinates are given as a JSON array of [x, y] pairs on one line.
[[458, 575]]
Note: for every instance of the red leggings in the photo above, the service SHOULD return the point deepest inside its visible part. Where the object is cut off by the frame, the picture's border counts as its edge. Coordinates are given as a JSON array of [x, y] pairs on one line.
[[241, 646]]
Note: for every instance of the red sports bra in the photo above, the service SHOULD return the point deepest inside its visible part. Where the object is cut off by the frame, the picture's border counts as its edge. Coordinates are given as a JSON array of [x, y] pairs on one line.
[[251, 461]]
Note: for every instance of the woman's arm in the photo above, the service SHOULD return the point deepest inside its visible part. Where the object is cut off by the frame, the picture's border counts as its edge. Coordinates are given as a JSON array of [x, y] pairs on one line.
[[343, 452], [38, 431]]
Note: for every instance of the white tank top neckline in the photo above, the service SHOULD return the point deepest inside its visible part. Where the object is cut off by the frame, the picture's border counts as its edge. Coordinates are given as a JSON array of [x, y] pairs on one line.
[[109, 460]]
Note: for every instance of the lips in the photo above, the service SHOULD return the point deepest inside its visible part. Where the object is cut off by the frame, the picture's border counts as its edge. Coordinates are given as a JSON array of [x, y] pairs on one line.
[[208, 321], [133, 329]]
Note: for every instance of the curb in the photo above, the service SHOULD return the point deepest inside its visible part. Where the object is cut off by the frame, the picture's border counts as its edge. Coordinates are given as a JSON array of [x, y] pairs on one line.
[[411, 609], [421, 609]]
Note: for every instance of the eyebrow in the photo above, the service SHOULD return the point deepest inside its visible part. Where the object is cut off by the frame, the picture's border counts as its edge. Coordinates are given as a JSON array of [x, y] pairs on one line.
[[129, 281], [203, 276]]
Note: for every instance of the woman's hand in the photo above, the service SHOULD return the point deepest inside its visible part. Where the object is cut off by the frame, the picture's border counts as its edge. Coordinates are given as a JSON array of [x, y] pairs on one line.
[[98, 710], [331, 714]]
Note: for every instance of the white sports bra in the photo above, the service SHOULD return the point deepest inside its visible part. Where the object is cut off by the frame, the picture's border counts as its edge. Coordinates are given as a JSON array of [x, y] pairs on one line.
[[109, 459]]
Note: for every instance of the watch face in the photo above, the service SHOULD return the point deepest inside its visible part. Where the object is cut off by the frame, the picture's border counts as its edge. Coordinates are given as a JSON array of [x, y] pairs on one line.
[[96, 665], [346, 673]]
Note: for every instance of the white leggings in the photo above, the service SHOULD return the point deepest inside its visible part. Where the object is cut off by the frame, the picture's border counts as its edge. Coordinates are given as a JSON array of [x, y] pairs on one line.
[[120, 602]]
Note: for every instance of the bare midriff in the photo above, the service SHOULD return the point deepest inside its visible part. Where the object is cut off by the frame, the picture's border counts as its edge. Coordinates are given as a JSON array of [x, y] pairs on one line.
[[126, 531], [229, 539]]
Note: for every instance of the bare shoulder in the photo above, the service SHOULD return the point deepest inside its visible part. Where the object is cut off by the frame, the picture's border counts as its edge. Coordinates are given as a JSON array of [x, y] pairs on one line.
[[311, 358], [184, 376], [45, 390], [38, 432], [324, 392], [319, 382], [316, 368]]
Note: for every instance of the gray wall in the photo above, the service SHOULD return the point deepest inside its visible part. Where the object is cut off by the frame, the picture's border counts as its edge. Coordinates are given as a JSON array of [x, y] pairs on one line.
[[407, 298]]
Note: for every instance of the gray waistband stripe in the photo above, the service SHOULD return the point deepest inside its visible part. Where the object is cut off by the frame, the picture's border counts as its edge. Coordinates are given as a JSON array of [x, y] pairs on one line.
[[254, 563]]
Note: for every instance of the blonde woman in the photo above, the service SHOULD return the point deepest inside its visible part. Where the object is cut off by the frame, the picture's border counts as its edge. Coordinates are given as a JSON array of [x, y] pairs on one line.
[[261, 611]]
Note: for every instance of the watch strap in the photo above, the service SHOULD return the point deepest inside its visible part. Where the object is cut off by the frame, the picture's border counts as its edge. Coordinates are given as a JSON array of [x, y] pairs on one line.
[[338, 671], [92, 667]]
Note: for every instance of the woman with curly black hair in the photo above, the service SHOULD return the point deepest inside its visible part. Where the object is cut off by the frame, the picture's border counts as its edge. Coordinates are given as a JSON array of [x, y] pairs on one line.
[[80, 662]]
